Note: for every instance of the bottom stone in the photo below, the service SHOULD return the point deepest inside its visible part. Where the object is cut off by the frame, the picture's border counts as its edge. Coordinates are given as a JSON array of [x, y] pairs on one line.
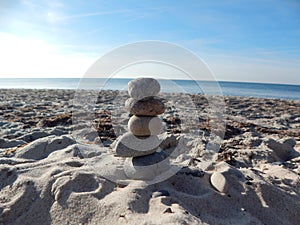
[[146, 167], [129, 145]]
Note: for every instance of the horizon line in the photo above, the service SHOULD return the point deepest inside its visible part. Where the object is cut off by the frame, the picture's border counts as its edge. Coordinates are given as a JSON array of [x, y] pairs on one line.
[[233, 81]]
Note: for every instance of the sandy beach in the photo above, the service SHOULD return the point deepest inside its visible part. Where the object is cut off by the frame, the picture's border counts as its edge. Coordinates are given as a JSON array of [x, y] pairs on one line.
[[55, 170]]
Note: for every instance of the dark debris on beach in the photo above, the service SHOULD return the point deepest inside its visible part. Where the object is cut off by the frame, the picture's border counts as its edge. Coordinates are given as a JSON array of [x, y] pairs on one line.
[[52, 108]]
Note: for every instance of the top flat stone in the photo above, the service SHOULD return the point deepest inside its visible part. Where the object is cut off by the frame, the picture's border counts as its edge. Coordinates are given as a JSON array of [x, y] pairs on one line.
[[143, 87]]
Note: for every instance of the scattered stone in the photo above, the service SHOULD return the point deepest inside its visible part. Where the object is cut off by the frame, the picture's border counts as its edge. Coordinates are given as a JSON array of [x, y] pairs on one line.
[[143, 87], [218, 181], [145, 107], [145, 126]]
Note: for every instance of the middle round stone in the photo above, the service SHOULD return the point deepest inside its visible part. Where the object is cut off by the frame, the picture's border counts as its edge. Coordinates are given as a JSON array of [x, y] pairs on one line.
[[145, 125]]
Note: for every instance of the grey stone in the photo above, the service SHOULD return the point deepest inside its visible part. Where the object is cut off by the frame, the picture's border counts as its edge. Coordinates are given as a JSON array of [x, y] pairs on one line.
[[145, 125], [145, 107], [130, 146], [218, 181], [143, 87], [146, 167]]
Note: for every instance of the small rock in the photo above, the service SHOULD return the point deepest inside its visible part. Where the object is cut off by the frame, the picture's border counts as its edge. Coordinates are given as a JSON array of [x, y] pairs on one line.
[[129, 145], [146, 167], [218, 181], [143, 87], [145, 125], [145, 107]]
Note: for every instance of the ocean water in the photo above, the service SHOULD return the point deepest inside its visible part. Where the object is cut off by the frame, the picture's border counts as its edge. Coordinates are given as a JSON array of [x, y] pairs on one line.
[[259, 90]]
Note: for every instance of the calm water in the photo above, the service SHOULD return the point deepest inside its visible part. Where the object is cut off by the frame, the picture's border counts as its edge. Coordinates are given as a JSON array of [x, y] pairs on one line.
[[261, 90]]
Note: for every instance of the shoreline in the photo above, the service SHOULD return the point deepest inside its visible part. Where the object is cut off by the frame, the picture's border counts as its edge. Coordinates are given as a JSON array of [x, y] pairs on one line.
[[104, 90]]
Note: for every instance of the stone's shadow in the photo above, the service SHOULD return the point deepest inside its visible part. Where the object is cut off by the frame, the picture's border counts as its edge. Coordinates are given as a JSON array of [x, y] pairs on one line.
[[141, 203]]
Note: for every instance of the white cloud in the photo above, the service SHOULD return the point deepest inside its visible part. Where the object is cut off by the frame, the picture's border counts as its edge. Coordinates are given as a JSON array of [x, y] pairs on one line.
[[91, 14]]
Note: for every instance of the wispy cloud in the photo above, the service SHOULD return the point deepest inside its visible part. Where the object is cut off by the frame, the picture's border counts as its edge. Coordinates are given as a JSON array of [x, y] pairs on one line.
[[93, 14]]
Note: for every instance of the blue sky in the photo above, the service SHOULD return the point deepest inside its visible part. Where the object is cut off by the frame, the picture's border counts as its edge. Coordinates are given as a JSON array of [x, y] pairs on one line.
[[245, 40]]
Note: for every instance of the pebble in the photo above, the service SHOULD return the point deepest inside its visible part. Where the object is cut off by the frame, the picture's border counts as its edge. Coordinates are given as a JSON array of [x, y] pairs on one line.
[[143, 87], [145, 126], [130, 146], [218, 181], [145, 107], [146, 167]]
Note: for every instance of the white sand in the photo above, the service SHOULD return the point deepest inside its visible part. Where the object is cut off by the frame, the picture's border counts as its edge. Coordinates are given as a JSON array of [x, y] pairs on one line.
[[46, 178]]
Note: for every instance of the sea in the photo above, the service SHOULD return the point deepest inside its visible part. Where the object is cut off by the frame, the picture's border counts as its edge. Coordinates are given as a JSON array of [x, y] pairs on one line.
[[226, 88]]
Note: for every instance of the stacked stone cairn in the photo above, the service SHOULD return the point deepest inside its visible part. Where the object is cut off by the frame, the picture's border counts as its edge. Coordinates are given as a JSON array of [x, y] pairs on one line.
[[140, 145]]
